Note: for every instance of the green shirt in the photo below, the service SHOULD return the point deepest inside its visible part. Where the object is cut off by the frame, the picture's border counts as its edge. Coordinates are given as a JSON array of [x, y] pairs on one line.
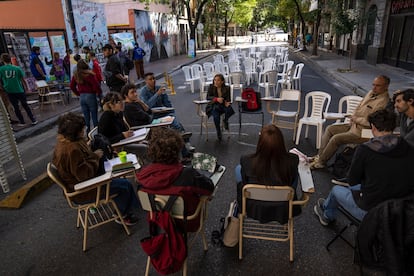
[[11, 77]]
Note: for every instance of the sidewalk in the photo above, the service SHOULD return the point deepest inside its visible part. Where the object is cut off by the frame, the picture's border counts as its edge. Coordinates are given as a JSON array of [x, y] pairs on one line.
[[360, 79]]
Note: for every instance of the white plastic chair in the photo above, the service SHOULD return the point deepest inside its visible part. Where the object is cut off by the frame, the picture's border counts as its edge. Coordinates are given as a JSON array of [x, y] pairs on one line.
[[320, 104], [285, 115], [208, 69], [268, 81], [250, 70], [219, 58], [351, 103], [197, 73], [266, 65], [234, 66], [188, 77], [236, 82], [297, 76], [287, 68]]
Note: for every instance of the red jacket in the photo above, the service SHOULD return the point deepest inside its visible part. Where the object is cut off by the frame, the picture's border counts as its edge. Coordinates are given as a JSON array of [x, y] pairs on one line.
[[89, 86]]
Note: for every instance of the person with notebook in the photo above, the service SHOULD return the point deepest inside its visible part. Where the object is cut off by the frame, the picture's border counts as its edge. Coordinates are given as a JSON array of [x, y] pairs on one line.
[[76, 162]]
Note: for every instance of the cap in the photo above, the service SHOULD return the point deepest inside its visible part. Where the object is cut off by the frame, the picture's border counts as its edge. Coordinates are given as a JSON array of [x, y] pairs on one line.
[[107, 46]]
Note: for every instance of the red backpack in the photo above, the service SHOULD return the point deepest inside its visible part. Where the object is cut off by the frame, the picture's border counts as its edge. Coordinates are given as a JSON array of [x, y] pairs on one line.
[[166, 246], [253, 99]]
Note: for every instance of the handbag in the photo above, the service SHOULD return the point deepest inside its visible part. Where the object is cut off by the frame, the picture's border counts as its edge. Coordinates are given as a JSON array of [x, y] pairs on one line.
[[232, 226]]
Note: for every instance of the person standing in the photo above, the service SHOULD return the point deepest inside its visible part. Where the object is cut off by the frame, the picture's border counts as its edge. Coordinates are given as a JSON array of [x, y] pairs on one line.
[[57, 68], [66, 63], [36, 65], [85, 85], [113, 70], [96, 67], [138, 58], [11, 77]]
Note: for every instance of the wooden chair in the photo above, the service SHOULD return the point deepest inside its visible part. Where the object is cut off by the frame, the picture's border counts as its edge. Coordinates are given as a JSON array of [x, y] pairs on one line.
[[48, 97], [271, 231], [177, 212], [93, 214]]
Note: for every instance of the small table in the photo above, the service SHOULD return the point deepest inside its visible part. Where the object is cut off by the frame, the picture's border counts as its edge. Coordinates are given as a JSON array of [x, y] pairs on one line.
[[157, 122], [139, 135], [107, 176]]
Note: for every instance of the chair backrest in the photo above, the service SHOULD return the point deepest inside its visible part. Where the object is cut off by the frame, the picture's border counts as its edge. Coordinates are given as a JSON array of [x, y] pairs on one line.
[[298, 71], [234, 66], [53, 173], [270, 77], [94, 131], [268, 193], [352, 102], [177, 209], [290, 95], [249, 65], [187, 73], [236, 79], [217, 66], [208, 68], [268, 64], [320, 104], [219, 57], [197, 71]]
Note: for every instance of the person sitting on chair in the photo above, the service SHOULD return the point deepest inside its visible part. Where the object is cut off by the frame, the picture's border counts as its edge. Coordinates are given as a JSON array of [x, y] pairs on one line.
[[167, 176], [339, 134], [220, 103], [270, 165], [380, 170], [404, 103], [136, 112], [76, 162]]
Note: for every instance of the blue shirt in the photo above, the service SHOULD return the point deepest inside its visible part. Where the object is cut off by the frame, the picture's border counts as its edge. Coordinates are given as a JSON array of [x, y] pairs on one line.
[[138, 53], [152, 99]]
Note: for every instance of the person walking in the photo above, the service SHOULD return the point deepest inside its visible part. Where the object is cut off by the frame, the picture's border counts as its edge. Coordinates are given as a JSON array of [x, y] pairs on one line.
[[85, 85], [138, 58], [11, 78]]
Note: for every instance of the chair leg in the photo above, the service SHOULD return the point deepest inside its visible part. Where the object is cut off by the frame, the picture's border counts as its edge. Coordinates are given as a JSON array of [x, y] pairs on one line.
[[85, 229], [185, 267], [147, 266], [241, 237], [290, 223], [339, 235], [298, 133], [306, 131]]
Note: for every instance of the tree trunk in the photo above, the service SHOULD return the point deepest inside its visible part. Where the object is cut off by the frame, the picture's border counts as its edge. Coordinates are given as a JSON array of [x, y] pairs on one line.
[[316, 34]]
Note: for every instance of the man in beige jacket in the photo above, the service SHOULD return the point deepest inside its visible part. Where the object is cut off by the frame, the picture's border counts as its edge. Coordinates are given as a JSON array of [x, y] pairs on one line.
[[339, 134]]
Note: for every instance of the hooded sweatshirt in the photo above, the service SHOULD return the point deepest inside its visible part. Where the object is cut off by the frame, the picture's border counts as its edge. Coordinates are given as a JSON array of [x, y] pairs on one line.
[[382, 166], [174, 179]]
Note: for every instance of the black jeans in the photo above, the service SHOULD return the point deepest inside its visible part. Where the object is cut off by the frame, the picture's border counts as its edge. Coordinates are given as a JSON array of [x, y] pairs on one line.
[[15, 98]]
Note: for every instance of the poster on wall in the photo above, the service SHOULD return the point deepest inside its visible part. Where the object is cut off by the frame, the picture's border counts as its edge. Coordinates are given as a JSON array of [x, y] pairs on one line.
[[58, 44], [127, 40], [90, 25]]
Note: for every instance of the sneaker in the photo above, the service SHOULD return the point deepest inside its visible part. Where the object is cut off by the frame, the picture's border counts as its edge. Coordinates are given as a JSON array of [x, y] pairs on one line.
[[316, 165], [318, 210], [189, 147], [186, 135], [226, 124], [21, 125], [34, 123], [128, 219], [340, 181]]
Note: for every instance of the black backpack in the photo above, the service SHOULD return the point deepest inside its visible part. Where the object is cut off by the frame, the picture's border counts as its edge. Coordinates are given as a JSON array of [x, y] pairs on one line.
[[99, 141], [343, 162]]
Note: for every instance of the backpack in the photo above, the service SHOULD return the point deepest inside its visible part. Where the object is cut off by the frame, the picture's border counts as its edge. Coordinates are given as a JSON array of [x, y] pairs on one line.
[[342, 162], [99, 141], [166, 245], [253, 99], [129, 64]]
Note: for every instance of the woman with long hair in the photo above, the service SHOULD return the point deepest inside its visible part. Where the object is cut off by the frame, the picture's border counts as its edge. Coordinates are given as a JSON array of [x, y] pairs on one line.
[[270, 165], [85, 85]]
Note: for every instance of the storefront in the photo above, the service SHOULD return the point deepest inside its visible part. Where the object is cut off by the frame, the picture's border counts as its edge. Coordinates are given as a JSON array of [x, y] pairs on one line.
[[399, 42]]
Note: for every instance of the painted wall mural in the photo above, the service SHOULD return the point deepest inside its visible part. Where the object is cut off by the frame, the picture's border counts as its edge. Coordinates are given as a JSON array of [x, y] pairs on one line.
[[157, 34]]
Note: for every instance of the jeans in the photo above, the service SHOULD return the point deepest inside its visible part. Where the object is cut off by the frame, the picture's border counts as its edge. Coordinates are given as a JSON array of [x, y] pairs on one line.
[[219, 109], [340, 195], [89, 107], [15, 98], [127, 198]]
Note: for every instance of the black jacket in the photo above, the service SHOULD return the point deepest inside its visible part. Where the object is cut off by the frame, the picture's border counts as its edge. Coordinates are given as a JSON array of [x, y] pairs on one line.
[[111, 125], [136, 115], [385, 237]]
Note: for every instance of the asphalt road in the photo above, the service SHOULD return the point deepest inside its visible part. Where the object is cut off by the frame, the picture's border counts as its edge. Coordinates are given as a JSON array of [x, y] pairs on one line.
[[41, 238]]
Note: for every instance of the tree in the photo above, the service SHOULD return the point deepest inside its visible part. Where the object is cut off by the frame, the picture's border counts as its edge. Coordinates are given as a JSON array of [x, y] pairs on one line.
[[344, 23]]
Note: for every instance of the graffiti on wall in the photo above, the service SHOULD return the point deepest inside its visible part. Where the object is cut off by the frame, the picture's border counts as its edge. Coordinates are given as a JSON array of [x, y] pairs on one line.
[[90, 24], [157, 34]]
